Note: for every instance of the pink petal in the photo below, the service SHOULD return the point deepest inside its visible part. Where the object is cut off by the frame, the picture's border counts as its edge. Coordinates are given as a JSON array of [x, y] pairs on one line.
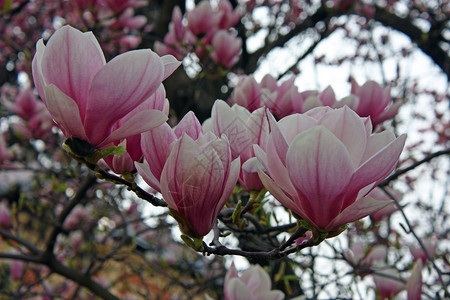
[[64, 111], [294, 124], [155, 144], [282, 197], [237, 290], [380, 165], [359, 209], [140, 122], [320, 168], [120, 86], [170, 65], [257, 280], [348, 127], [189, 125], [70, 61], [39, 80], [376, 142], [277, 169], [144, 170]]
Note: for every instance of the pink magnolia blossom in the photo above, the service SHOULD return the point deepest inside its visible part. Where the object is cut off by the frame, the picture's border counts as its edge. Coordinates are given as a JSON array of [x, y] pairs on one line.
[[228, 16], [418, 253], [16, 268], [202, 18], [414, 284], [197, 180], [87, 96], [386, 286], [243, 129], [155, 144], [322, 164], [363, 257], [25, 104], [226, 48], [252, 284], [286, 93], [386, 211], [373, 101], [5, 216], [315, 99], [121, 164], [118, 6], [247, 93], [127, 19]]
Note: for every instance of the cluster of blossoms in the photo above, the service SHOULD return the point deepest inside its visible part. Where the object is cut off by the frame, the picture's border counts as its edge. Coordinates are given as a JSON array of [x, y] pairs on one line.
[[320, 164], [35, 121], [22, 23], [372, 261], [204, 31], [283, 99]]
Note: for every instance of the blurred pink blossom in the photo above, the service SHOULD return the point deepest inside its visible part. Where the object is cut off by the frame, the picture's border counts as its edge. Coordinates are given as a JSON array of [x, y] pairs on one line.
[[253, 284], [226, 48]]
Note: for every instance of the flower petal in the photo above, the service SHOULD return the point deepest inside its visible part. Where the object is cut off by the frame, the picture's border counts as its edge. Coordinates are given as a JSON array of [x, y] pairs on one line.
[[39, 80], [64, 111], [120, 86], [348, 127], [70, 61], [190, 125], [155, 144], [359, 209], [170, 65], [320, 168], [146, 174], [140, 122], [380, 165]]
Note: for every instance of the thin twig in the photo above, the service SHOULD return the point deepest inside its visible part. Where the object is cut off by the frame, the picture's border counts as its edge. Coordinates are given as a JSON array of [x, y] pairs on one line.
[[413, 166]]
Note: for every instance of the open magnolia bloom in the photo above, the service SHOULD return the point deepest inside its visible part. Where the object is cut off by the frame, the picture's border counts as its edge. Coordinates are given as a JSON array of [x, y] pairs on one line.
[[322, 164], [87, 96]]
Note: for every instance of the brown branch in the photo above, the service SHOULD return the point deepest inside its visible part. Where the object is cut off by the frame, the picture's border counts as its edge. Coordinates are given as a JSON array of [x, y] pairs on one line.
[[280, 252], [85, 185], [427, 41], [400, 172], [132, 186]]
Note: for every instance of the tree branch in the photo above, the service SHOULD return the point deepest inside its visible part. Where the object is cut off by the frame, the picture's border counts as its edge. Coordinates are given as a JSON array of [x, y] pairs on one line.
[[413, 166]]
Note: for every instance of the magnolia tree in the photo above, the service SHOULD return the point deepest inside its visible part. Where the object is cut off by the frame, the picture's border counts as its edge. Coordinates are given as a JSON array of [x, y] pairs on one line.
[[224, 149]]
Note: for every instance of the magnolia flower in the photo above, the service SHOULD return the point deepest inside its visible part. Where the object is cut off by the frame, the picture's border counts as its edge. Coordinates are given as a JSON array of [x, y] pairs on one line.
[[202, 18], [374, 101], [252, 284], [315, 99], [228, 16], [121, 164], [247, 93], [5, 216], [155, 144], [87, 96], [197, 180], [243, 129], [226, 48], [387, 286], [322, 164], [418, 252], [386, 211], [414, 284], [16, 269]]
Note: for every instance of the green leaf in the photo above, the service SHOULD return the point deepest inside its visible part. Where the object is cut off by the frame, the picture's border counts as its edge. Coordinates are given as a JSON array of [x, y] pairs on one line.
[[112, 150]]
